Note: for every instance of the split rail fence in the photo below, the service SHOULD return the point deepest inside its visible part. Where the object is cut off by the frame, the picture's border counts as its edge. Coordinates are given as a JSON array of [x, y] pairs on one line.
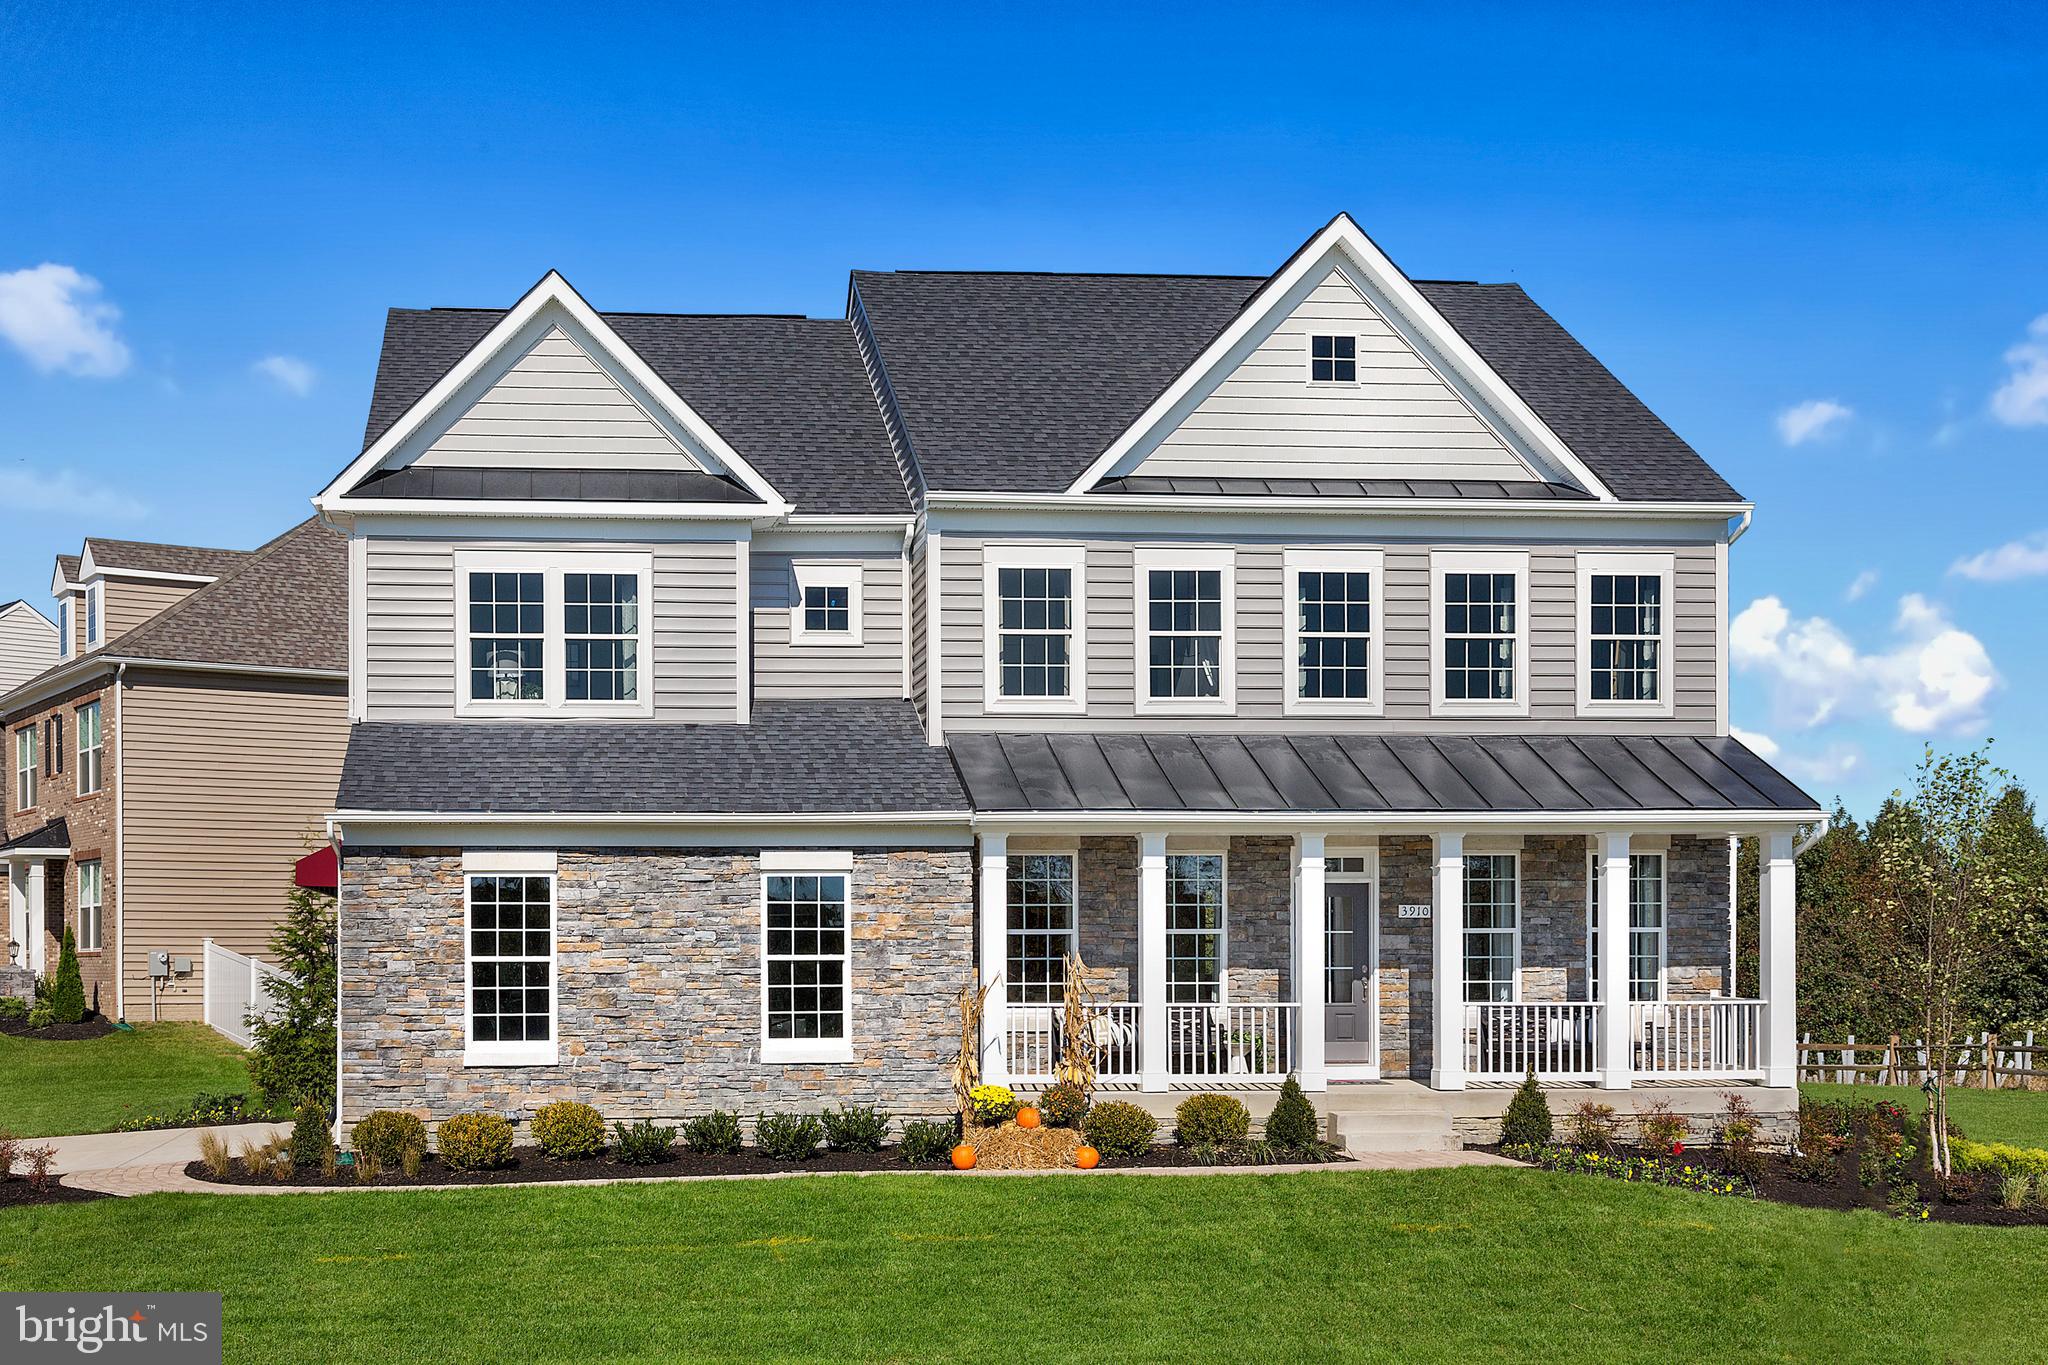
[[1982, 1062]]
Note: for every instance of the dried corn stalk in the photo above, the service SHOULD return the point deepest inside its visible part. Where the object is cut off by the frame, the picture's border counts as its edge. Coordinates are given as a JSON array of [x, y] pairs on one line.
[[967, 1061], [1077, 1039]]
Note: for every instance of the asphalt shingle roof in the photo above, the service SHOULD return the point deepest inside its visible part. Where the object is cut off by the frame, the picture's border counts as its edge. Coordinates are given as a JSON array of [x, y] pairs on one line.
[[147, 557], [68, 566], [803, 757], [284, 606], [788, 393], [56, 834]]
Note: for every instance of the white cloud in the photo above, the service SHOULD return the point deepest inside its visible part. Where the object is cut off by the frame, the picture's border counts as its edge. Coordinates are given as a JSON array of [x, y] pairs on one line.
[[1861, 584], [25, 490], [1812, 420], [1935, 677], [1762, 745], [288, 372], [2022, 400], [56, 318], [2026, 557], [1837, 763]]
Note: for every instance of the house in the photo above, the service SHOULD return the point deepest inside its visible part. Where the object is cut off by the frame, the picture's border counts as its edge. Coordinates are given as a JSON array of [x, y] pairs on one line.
[[1336, 662], [28, 643], [166, 771]]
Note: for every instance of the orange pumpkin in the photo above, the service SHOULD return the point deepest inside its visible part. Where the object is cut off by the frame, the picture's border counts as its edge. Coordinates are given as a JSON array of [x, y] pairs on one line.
[[963, 1158], [1027, 1117], [1087, 1158]]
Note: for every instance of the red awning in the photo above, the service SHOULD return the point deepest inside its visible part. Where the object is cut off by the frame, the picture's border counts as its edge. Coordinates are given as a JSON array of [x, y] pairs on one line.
[[319, 870]]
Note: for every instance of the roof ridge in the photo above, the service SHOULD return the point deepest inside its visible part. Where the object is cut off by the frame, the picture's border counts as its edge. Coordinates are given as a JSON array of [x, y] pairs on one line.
[[167, 545], [251, 559]]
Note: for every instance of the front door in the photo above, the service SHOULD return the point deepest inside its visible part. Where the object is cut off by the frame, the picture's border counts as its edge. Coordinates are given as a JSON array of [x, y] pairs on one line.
[[1348, 990]]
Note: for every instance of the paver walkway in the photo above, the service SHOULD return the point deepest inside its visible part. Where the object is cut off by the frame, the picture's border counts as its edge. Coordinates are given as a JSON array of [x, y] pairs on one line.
[[115, 1151]]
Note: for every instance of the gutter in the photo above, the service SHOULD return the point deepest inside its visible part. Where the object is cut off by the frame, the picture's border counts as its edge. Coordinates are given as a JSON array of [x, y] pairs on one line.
[[120, 851], [1820, 832], [1349, 507], [1742, 526], [35, 693]]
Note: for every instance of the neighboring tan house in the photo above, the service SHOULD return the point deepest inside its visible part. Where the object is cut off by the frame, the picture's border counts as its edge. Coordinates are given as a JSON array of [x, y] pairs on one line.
[[165, 774], [1336, 662], [28, 643]]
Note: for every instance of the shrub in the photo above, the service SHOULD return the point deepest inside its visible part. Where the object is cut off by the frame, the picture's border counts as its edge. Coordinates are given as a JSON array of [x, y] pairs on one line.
[[646, 1145], [10, 1148], [1211, 1120], [40, 1015], [291, 1049], [1063, 1104], [475, 1142], [1293, 1125], [2003, 1158], [856, 1128], [788, 1137], [1591, 1127], [213, 1151], [386, 1135], [928, 1141], [1739, 1129], [67, 993], [1527, 1119], [567, 1131], [1660, 1128], [204, 1111], [312, 1139], [40, 1160], [1118, 1128], [714, 1134], [13, 1007], [993, 1104]]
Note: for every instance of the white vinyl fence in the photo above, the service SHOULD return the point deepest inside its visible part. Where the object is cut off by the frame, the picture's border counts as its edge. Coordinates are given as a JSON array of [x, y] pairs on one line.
[[234, 985]]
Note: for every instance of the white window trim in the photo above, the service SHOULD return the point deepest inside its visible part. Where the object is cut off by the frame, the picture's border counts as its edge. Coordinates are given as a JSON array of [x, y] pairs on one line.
[[523, 1053], [85, 753], [95, 612], [817, 573], [1663, 921], [1664, 566], [1074, 559], [1072, 854], [1143, 563], [64, 626], [98, 906], [1296, 562], [25, 775], [1465, 932], [1442, 562], [1308, 359], [554, 654], [1222, 854], [819, 863]]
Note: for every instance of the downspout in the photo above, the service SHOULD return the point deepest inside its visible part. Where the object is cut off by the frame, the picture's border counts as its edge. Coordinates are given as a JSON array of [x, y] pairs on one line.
[[1741, 526], [334, 840], [1820, 832], [120, 853]]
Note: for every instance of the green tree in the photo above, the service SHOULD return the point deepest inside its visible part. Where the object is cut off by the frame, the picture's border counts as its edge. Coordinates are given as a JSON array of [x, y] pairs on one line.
[[2014, 994], [67, 993], [292, 1053]]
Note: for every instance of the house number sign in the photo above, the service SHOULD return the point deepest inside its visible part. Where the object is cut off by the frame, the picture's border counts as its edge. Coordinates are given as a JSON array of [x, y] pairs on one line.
[[1414, 911]]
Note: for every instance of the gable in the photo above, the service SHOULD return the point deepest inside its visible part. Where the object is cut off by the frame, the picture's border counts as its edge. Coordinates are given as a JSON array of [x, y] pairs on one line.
[[1260, 415]]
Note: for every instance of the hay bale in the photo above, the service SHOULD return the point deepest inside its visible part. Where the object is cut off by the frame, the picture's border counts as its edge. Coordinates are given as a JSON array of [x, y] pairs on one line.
[[1007, 1147]]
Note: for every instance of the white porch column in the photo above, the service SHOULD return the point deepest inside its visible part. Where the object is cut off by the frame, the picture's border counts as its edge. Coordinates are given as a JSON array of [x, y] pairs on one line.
[[1309, 914], [994, 925], [37, 952], [1617, 1061], [1152, 1072], [1778, 957], [1447, 986]]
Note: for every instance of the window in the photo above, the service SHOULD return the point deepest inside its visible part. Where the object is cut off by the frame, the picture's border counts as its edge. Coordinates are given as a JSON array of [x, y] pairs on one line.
[[1041, 927], [827, 605], [64, 627], [805, 964], [1186, 617], [1333, 631], [1194, 928], [1624, 622], [89, 921], [1481, 633], [91, 749], [25, 768], [1492, 920], [569, 633], [53, 746], [1033, 600], [511, 968], [95, 599], [1645, 926], [1333, 359]]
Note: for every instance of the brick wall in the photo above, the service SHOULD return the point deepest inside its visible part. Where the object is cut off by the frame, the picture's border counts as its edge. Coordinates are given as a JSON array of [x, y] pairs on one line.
[[90, 820]]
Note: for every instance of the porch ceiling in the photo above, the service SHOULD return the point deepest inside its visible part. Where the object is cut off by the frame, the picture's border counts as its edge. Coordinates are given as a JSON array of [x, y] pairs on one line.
[[1371, 774]]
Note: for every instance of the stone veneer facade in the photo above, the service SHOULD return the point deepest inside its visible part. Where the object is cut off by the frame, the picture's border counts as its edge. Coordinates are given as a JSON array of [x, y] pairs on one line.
[[658, 970]]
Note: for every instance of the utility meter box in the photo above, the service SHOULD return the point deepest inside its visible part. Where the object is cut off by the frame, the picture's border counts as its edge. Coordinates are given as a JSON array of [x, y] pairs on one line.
[[182, 966], [159, 964]]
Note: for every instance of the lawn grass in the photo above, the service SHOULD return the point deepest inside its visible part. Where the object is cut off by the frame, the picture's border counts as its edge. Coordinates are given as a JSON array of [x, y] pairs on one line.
[[1469, 1264], [90, 1085], [2019, 1116]]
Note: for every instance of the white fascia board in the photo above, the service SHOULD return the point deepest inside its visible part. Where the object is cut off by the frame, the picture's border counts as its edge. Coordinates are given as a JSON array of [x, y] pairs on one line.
[[1342, 241], [924, 829], [197, 580], [59, 584], [510, 524], [1339, 506], [1386, 822], [23, 605], [512, 509], [551, 292]]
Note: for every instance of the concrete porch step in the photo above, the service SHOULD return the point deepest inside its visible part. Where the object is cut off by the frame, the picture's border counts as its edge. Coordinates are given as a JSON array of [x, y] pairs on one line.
[[1395, 1130]]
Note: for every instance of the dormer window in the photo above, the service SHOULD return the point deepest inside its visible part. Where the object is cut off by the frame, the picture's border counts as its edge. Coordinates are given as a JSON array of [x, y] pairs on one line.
[[827, 610], [64, 628], [1333, 359], [562, 633], [93, 599]]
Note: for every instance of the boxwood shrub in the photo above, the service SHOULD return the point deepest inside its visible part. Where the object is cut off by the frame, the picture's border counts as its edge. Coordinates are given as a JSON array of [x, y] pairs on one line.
[[1119, 1128], [386, 1135], [788, 1137], [475, 1142], [714, 1134], [1210, 1120], [567, 1131]]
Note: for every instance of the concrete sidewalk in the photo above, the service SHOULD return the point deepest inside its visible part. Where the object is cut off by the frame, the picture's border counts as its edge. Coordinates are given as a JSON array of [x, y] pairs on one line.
[[164, 1146]]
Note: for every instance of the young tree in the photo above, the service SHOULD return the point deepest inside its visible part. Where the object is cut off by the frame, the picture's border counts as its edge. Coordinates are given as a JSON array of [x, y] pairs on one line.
[[292, 1055], [67, 992], [1947, 884]]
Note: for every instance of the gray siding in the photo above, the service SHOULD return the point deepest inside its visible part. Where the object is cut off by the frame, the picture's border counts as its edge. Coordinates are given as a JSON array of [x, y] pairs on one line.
[[1406, 626], [786, 671], [918, 633], [28, 645], [409, 626]]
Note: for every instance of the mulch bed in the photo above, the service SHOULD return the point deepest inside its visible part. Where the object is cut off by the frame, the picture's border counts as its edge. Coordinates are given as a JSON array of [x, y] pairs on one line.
[[19, 1192], [529, 1165], [92, 1026]]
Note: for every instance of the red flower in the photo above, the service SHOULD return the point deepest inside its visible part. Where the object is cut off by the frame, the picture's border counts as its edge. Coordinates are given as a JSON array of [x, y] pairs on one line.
[[1678, 1149]]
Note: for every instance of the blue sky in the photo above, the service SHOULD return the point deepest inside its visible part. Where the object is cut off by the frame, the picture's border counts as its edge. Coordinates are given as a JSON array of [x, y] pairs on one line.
[[1813, 241]]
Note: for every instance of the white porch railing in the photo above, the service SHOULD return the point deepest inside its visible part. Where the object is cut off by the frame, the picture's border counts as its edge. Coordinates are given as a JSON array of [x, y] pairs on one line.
[[1032, 1038], [1231, 1040], [1560, 1038], [233, 985], [1706, 1039]]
